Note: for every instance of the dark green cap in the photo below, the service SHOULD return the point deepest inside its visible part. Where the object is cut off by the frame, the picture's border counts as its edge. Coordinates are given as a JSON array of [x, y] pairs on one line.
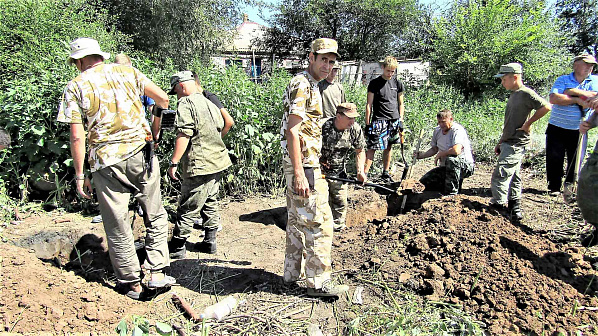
[[514, 68], [181, 76]]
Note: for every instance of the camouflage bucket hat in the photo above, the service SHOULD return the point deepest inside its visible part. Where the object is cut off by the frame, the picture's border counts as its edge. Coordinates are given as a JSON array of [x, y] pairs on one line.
[[85, 46], [181, 76]]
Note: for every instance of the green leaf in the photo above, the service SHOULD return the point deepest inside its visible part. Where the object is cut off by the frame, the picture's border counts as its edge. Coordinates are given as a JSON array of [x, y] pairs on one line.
[[163, 328], [138, 332], [68, 162], [38, 130], [122, 328], [40, 142]]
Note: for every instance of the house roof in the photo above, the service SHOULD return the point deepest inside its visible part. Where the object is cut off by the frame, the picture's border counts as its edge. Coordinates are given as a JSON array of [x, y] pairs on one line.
[[245, 34]]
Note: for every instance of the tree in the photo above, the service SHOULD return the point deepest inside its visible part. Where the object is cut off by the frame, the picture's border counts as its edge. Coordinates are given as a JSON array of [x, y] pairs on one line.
[[365, 30], [474, 38], [580, 18], [178, 30]]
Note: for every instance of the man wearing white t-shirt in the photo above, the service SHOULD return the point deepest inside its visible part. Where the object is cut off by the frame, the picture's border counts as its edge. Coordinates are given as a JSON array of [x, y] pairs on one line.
[[452, 148]]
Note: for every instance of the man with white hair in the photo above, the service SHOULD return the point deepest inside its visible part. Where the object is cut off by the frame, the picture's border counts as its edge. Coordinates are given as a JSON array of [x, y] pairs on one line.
[[104, 101]]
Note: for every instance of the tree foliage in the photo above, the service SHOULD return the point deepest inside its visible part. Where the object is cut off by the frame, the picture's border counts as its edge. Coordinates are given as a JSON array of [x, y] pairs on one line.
[[474, 38], [365, 30], [580, 19], [179, 30]]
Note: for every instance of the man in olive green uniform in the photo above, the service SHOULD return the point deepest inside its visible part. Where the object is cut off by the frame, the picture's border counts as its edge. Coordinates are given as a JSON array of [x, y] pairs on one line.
[[340, 135], [105, 98], [309, 225], [332, 93], [506, 179], [203, 158]]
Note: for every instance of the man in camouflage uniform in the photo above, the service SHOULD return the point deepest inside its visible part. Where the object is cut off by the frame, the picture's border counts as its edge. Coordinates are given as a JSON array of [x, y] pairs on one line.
[[332, 93], [309, 225], [203, 158], [339, 135], [452, 149], [106, 98]]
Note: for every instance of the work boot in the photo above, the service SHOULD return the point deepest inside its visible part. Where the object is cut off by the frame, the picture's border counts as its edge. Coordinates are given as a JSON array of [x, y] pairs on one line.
[[176, 248], [328, 290], [515, 210], [386, 178], [208, 245]]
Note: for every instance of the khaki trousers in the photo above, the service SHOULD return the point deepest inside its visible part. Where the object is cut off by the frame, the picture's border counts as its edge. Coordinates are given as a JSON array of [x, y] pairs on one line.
[[114, 185], [309, 233]]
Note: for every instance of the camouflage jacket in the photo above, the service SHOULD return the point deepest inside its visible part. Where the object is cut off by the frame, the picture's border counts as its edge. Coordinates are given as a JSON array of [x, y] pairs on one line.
[[106, 99], [336, 145], [302, 98]]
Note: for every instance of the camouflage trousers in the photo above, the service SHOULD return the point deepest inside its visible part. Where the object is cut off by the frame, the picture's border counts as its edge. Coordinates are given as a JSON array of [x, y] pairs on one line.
[[198, 204], [309, 233], [114, 185], [337, 198], [448, 178], [506, 178]]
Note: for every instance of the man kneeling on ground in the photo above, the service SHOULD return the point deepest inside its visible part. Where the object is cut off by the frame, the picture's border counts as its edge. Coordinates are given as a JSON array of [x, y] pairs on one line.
[[339, 135], [452, 148]]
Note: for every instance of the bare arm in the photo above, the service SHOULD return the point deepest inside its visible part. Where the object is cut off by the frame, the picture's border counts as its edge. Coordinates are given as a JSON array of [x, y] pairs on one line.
[[455, 150], [580, 93], [423, 155], [360, 165], [161, 99], [563, 99], [542, 111], [301, 186], [180, 146], [77, 138], [368, 108], [228, 122], [400, 98]]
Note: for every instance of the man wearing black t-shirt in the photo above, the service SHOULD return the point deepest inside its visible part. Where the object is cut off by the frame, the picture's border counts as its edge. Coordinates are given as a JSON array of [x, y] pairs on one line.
[[384, 115]]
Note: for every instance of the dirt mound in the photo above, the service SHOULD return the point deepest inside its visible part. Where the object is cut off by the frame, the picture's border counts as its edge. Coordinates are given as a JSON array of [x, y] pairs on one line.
[[460, 251], [36, 297]]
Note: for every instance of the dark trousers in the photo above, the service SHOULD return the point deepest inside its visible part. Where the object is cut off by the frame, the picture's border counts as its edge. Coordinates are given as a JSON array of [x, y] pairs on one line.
[[448, 178], [560, 142]]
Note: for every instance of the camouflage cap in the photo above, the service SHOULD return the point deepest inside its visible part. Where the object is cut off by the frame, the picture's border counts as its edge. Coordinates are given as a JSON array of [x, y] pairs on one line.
[[181, 76], [590, 59], [348, 109], [324, 46], [514, 68]]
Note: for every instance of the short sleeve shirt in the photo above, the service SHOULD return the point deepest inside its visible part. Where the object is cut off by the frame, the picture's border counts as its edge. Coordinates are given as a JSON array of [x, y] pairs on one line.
[[456, 135], [333, 94], [519, 107], [302, 98], [106, 99], [213, 98], [386, 93], [336, 145], [569, 116]]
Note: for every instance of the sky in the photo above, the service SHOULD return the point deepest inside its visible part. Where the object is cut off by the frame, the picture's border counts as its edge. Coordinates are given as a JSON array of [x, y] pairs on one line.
[[255, 12]]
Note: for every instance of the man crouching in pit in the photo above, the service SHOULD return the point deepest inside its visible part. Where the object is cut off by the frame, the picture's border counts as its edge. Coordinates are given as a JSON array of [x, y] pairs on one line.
[[452, 148], [309, 226]]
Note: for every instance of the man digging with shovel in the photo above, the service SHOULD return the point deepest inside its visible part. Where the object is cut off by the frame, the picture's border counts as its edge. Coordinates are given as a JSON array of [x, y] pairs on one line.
[[340, 135]]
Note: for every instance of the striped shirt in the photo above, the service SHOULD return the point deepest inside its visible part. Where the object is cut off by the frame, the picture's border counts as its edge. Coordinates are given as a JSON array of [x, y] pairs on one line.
[[569, 116]]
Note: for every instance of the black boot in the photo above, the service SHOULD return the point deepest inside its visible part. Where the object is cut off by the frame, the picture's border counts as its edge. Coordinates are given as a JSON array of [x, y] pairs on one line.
[[176, 248], [208, 245], [515, 210]]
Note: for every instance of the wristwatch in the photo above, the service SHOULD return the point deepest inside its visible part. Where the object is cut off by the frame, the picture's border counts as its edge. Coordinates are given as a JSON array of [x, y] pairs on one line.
[[172, 164]]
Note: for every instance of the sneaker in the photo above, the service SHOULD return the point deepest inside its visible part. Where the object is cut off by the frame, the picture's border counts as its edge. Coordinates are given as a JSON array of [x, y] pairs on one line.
[[569, 193], [166, 281], [385, 177], [328, 290]]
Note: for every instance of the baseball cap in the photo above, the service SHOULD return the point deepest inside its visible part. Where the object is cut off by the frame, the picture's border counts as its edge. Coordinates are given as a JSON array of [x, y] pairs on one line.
[[181, 76], [324, 46], [590, 59], [85, 46], [348, 109], [515, 68]]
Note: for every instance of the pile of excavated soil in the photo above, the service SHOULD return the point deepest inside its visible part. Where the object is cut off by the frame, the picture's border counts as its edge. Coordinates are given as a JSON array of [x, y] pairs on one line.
[[460, 251]]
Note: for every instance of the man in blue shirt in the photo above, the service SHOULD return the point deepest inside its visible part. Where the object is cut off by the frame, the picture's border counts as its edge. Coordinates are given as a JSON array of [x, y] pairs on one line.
[[567, 97]]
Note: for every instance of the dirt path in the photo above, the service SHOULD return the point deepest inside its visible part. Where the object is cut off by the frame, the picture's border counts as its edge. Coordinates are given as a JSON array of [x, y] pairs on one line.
[[525, 279]]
